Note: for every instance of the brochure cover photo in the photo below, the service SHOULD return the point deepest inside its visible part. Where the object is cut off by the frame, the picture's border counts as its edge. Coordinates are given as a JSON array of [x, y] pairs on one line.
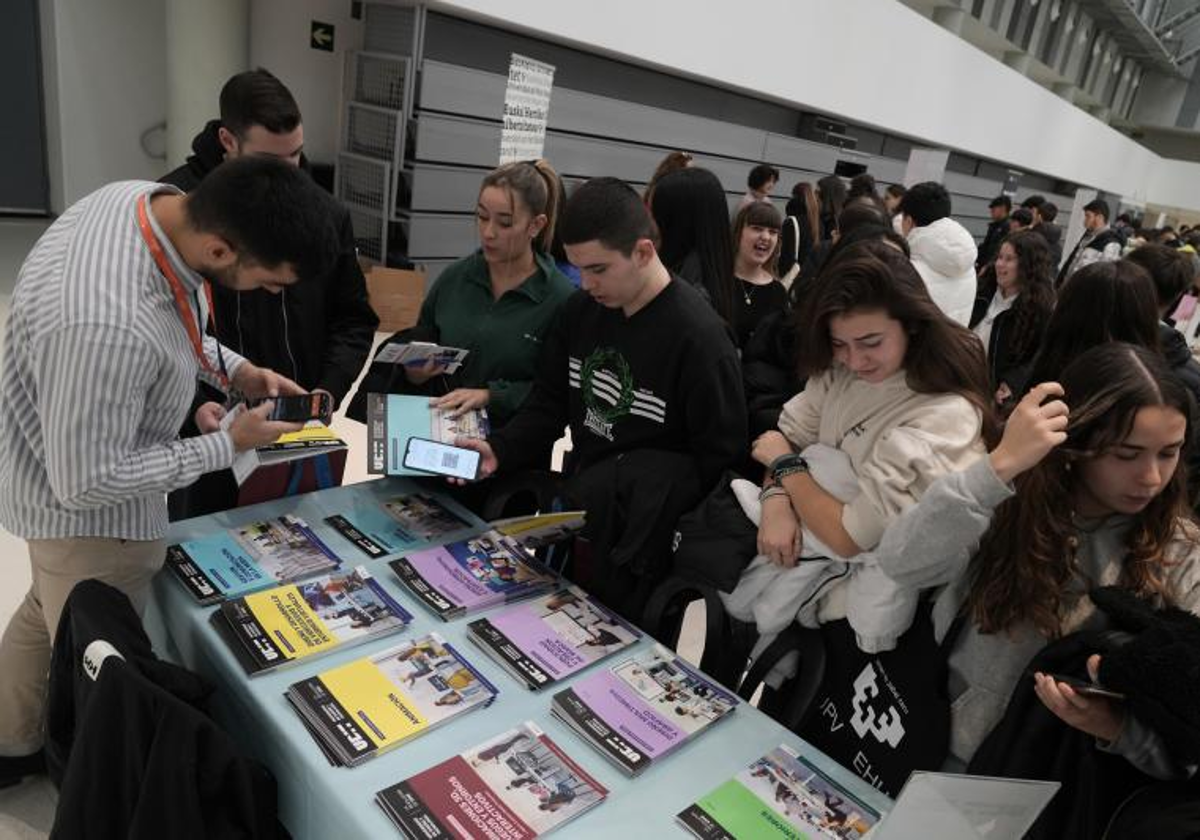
[[287, 623], [373, 704], [250, 558], [643, 708], [781, 795], [549, 638], [399, 523], [517, 785], [472, 574]]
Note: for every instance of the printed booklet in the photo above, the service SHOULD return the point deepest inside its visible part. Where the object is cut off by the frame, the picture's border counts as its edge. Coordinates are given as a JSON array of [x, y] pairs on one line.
[[473, 574], [780, 795], [282, 625], [244, 560], [392, 419], [545, 640], [515, 786], [370, 705], [642, 709], [542, 529], [417, 353], [380, 528]]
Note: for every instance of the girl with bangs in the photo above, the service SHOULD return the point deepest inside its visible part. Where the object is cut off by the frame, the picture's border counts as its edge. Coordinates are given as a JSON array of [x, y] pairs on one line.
[[755, 268], [1084, 490]]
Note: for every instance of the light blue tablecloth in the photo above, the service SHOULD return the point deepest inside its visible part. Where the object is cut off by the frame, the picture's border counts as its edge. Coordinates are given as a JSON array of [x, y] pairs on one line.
[[320, 802]]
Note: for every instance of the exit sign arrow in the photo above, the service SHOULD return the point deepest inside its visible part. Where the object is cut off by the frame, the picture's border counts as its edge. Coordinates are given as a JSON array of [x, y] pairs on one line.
[[321, 36]]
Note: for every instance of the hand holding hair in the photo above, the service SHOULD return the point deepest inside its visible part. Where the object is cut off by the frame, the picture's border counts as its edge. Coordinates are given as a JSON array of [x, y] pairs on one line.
[[1033, 429]]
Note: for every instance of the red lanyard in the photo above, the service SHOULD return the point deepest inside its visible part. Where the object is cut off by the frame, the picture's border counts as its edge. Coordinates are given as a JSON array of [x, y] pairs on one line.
[[181, 301]]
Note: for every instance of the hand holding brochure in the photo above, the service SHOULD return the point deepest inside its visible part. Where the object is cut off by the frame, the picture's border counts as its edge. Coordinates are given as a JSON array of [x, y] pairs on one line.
[[782, 794], [250, 558], [282, 625], [643, 708], [515, 786], [420, 353], [472, 574], [545, 640], [374, 704]]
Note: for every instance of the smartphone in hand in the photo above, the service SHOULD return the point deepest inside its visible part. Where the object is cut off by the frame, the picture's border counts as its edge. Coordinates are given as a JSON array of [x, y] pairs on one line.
[[298, 408], [441, 459], [1087, 689]]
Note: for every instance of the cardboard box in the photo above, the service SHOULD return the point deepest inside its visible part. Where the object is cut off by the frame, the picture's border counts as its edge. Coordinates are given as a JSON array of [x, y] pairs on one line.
[[396, 296]]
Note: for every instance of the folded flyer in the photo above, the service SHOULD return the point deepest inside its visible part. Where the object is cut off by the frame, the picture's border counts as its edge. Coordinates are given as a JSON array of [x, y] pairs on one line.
[[247, 559], [783, 795], [288, 623], [643, 708], [515, 786], [547, 639], [380, 528], [370, 705], [418, 353], [392, 419], [473, 574]]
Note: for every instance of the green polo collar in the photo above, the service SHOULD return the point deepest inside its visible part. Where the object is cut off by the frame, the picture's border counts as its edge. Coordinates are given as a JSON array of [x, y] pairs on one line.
[[535, 287]]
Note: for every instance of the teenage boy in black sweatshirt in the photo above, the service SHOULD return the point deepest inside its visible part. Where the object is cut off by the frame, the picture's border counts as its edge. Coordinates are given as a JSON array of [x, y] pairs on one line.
[[642, 369]]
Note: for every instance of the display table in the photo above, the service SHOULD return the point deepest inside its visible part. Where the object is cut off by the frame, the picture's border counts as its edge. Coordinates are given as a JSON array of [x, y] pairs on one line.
[[322, 802]]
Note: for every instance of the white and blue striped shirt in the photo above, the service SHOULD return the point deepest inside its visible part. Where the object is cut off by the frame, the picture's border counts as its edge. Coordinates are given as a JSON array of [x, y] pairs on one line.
[[99, 374]]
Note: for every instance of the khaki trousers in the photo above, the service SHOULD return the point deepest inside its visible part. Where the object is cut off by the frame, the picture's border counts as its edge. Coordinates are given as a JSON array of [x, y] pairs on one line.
[[25, 648]]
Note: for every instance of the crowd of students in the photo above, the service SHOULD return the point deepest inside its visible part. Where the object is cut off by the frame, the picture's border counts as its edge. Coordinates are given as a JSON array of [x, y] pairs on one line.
[[855, 340]]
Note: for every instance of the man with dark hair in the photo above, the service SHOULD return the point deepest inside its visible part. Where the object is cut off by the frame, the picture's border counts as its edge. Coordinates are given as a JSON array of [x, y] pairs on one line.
[[942, 251], [1020, 219], [999, 208], [647, 377], [1033, 202], [1099, 242], [761, 180], [319, 334], [1043, 222], [103, 347]]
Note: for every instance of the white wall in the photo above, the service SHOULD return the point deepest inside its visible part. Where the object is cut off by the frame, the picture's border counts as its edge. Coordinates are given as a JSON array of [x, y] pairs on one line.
[[875, 62], [279, 41], [105, 69]]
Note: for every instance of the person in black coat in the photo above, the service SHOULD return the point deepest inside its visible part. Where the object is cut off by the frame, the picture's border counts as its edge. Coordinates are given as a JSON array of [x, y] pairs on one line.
[[318, 334], [1043, 222], [1016, 297], [997, 229]]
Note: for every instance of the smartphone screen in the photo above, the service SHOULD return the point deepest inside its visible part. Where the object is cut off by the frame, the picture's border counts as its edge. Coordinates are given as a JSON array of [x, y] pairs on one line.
[[298, 408], [442, 459], [1087, 689]]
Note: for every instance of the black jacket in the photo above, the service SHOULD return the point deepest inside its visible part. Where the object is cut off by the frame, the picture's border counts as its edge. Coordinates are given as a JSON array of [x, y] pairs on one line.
[[1053, 234], [142, 761], [1004, 364], [1175, 350], [996, 231], [769, 371], [318, 332]]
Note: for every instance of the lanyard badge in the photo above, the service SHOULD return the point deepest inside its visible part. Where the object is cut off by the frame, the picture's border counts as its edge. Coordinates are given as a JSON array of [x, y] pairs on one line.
[[190, 323]]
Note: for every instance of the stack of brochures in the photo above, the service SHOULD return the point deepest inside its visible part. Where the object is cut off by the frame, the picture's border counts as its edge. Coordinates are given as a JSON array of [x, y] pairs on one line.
[[368, 706], [545, 640], [473, 574], [247, 559], [644, 708], [420, 353], [517, 785], [782, 794], [385, 527], [542, 529], [288, 623]]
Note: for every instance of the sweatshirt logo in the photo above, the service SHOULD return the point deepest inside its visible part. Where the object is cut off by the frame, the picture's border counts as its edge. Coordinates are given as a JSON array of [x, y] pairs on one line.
[[885, 725], [606, 385]]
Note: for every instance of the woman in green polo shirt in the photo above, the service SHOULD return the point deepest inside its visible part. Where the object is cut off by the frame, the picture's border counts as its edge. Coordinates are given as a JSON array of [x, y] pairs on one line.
[[499, 302]]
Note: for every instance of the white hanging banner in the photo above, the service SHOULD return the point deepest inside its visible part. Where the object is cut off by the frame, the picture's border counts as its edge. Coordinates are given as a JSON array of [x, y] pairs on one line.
[[926, 165], [526, 109]]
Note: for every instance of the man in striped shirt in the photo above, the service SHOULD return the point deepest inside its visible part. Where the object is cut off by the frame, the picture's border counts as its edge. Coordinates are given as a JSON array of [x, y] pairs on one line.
[[103, 346]]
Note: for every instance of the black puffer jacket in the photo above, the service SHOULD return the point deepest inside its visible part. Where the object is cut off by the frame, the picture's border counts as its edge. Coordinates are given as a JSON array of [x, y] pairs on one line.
[[1179, 356]]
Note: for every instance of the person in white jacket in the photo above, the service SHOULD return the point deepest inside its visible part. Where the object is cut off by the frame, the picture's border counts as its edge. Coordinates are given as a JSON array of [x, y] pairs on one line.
[[943, 251]]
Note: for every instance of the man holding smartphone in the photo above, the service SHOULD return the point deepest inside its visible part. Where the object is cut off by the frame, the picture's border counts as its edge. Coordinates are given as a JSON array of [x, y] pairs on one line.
[[104, 343], [646, 375]]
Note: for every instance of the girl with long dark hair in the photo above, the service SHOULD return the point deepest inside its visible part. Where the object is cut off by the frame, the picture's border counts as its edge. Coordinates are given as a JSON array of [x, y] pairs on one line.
[[1012, 308], [692, 214], [758, 292], [1084, 490]]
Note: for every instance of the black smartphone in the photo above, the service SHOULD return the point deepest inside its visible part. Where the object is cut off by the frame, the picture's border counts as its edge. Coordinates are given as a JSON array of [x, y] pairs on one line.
[[298, 408], [441, 459], [1087, 689]]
